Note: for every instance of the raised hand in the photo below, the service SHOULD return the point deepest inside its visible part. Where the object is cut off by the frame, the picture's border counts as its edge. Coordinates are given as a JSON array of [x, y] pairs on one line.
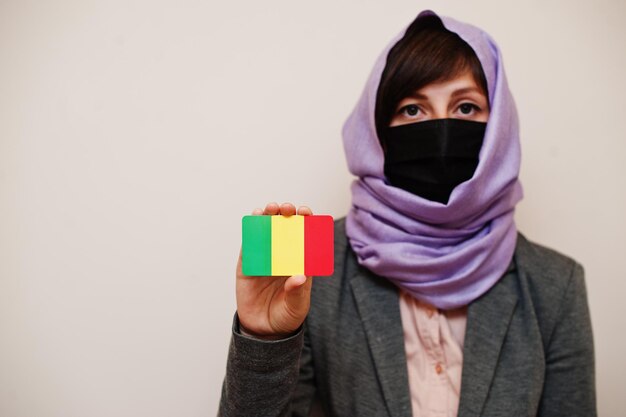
[[273, 307]]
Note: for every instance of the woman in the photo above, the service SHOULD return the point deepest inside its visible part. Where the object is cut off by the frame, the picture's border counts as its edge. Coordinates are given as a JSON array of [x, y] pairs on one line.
[[438, 307]]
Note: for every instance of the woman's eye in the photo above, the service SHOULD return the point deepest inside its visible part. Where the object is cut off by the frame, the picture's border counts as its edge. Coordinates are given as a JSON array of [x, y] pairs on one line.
[[466, 108], [410, 110]]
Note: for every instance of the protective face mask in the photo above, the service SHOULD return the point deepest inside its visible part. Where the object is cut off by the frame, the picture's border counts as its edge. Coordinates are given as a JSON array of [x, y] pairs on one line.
[[430, 158]]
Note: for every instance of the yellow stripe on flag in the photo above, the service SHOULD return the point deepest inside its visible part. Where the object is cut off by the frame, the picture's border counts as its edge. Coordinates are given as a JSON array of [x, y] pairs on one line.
[[287, 245]]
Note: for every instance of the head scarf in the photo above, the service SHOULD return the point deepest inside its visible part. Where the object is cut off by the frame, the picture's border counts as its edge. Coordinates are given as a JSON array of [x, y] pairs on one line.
[[445, 255]]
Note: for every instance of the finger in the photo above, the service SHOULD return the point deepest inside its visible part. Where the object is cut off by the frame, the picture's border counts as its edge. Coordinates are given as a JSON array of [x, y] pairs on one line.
[[287, 209], [238, 270], [294, 282], [271, 209], [304, 211], [257, 211], [298, 293]]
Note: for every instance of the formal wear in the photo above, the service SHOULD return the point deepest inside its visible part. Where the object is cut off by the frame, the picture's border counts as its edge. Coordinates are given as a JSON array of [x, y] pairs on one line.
[[527, 351]]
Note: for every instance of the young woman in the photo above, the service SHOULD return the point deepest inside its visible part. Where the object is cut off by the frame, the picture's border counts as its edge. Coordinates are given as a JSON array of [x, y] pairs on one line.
[[438, 306]]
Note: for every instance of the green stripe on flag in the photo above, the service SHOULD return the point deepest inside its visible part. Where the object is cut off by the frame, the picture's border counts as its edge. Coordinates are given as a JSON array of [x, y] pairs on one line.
[[256, 249]]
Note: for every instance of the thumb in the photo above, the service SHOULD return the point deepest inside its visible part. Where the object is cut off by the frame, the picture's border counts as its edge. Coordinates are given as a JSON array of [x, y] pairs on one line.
[[294, 284], [297, 293]]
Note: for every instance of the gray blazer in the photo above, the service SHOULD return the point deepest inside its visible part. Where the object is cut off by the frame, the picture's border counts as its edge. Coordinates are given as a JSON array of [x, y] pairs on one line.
[[528, 347]]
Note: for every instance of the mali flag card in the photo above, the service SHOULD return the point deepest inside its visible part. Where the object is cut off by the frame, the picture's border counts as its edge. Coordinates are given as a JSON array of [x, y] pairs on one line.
[[287, 245]]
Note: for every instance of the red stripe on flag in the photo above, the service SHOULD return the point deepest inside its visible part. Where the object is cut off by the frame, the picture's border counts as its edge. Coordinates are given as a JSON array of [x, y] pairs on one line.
[[318, 245]]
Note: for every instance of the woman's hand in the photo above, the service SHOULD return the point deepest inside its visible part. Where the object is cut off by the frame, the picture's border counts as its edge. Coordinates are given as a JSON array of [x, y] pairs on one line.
[[273, 307]]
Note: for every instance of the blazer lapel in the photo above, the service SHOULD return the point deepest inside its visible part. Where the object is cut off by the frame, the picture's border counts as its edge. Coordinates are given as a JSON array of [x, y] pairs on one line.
[[378, 306], [488, 320]]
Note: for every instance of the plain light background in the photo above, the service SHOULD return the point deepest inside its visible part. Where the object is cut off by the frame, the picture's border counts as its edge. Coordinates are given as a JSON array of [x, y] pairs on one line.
[[135, 134]]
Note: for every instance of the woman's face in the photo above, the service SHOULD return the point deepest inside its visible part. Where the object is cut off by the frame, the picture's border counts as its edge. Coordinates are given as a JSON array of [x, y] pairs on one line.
[[459, 98]]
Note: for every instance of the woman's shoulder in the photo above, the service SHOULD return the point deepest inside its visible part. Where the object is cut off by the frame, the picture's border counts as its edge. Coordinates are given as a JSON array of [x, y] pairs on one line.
[[552, 280], [534, 254], [337, 281], [545, 267], [331, 291], [341, 240]]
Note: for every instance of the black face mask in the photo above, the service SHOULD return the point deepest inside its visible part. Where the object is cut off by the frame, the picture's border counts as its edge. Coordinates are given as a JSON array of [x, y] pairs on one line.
[[430, 158]]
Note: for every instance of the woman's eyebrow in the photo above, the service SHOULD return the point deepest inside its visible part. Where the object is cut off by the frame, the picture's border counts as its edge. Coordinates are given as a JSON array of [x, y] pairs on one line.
[[465, 90], [418, 96]]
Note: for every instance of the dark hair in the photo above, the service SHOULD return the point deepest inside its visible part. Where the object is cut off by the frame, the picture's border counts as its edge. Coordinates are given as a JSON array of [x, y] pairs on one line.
[[427, 53]]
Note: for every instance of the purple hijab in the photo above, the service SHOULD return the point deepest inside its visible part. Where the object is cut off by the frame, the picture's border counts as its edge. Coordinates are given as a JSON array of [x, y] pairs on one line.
[[444, 255]]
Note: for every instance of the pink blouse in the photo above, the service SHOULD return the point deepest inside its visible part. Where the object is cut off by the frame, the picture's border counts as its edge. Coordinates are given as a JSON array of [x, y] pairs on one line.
[[433, 342]]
